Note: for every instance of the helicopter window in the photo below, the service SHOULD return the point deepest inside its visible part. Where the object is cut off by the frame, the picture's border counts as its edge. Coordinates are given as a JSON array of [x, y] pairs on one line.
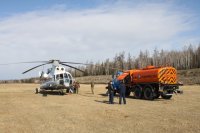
[[70, 77], [65, 75], [48, 70], [61, 76], [67, 80], [57, 76]]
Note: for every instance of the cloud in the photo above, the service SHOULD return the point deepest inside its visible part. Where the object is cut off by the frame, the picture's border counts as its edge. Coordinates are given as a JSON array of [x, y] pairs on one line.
[[90, 34]]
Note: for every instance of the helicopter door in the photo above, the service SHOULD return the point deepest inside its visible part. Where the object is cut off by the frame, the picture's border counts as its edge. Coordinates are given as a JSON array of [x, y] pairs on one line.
[[67, 80]]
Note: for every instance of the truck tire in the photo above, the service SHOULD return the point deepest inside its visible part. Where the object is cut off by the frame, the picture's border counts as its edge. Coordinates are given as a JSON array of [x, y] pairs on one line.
[[157, 95], [138, 92], [148, 93], [166, 96]]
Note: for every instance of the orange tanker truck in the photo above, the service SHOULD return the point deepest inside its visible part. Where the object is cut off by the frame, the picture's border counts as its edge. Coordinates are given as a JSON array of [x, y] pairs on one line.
[[151, 82]]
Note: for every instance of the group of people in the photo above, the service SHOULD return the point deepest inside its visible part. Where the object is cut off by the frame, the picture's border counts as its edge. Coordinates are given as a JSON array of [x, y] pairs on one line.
[[112, 89], [74, 87]]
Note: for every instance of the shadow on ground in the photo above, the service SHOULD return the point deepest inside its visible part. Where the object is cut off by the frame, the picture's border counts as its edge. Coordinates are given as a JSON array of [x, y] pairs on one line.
[[104, 101], [52, 93]]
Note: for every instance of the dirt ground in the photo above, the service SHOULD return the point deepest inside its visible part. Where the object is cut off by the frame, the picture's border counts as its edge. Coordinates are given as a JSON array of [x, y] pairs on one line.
[[22, 111]]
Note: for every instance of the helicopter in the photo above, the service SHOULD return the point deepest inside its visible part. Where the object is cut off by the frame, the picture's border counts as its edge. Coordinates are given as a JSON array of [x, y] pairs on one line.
[[57, 77]]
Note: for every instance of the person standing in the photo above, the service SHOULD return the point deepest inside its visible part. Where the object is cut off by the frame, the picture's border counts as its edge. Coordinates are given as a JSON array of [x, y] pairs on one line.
[[92, 87], [111, 93], [122, 92], [74, 86], [77, 87]]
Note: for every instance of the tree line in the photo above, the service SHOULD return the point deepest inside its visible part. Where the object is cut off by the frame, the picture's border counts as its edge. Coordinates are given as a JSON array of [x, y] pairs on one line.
[[187, 58]]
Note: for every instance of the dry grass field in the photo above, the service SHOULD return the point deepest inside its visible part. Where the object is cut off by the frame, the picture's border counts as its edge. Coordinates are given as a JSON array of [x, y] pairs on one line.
[[22, 111]]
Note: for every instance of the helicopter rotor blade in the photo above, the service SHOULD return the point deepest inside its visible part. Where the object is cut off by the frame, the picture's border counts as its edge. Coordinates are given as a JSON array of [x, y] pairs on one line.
[[24, 62], [72, 67], [35, 67], [76, 63]]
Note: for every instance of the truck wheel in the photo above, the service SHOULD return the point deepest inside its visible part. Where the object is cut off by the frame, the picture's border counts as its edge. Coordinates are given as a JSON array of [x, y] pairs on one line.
[[138, 92], [148, 93], [157, 95], [166, 96]]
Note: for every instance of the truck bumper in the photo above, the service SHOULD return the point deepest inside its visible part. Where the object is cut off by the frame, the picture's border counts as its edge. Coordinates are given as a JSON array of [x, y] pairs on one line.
[[170, 89]]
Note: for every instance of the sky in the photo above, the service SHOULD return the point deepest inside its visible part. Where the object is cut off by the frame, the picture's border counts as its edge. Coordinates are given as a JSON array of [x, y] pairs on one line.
[[91, 31]]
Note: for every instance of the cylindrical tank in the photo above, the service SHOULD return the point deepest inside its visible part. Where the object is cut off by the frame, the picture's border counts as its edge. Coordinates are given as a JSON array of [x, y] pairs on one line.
[[151, 74]]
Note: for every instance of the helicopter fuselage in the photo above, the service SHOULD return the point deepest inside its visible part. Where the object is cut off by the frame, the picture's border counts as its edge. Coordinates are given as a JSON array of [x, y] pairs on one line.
[[58, 78]]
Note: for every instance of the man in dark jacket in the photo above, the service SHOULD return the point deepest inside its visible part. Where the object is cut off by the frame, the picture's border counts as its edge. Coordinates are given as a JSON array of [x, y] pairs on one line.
[[122, 92], [111, 92]]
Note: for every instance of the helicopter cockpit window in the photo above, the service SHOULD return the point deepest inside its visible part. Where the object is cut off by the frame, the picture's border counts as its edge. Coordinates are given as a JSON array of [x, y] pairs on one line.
[[49, 70], [61, 76], [57, 76], [70, 77], [65, 75]]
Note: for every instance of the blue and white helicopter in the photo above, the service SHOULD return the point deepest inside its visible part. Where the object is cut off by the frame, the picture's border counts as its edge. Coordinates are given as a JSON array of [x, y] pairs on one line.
[[56, 78]]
